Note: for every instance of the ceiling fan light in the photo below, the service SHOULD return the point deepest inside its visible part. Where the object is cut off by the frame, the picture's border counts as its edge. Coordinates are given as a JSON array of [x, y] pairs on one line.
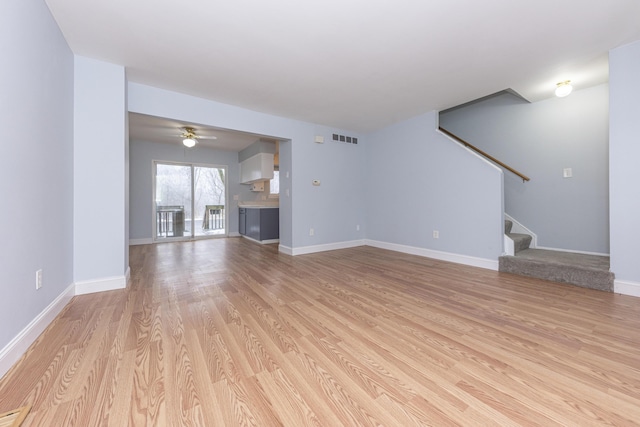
[[189, 142], [563, 88]]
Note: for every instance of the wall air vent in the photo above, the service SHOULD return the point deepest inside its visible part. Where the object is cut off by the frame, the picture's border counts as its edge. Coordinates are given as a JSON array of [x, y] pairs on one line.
[[343, 138]]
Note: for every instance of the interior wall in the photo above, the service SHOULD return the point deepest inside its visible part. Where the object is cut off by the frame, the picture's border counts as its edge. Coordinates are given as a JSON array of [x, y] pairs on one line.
[[624, 69], [36, 157], [333, 209], [100, 136], [419, 181], [540, 140]]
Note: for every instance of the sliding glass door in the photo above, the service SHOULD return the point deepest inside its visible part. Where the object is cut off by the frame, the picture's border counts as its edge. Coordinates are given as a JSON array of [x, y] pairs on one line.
[[209, 200], [190, 201]]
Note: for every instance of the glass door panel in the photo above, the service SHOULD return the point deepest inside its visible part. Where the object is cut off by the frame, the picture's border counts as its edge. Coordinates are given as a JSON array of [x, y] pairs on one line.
[[173, 217], [209, 185]]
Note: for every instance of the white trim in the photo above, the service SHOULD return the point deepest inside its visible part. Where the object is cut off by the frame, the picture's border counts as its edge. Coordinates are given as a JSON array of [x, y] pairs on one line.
[[509, 247], [327, 247], [101, 285], [262, 242], [430, 253], [285, 250], [134, 242], [571, 251], [467, 149], [234, 234], [267, 242], [519, 228], [12, 352], [626, 288]]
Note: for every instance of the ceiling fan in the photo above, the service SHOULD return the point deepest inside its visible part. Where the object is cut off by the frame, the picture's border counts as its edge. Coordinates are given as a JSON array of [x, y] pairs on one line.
[[189, 137]]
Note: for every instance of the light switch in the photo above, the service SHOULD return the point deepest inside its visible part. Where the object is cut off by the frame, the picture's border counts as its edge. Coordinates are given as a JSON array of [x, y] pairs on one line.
[[567, 173], [319, 139]]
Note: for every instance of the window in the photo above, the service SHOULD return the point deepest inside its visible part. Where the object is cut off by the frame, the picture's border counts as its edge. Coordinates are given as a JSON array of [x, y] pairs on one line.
[[274, 185]]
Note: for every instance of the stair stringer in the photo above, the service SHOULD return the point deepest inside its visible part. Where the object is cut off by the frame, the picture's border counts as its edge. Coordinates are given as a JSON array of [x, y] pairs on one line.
[[509, 248], [519, 228]]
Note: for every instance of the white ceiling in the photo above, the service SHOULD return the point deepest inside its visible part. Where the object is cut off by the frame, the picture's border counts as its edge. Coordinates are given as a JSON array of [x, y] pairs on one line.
[[167, 131], [358, 65]]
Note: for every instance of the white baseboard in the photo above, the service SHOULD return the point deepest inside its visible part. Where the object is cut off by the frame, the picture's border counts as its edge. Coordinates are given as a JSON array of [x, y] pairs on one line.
[[101, 285], [429, 253], [328, 247], [571, 251], [12, 352], [489, 264], [235, 234], [262, 242], [285, 250], [626, 288], [127, 277], [134, 242]]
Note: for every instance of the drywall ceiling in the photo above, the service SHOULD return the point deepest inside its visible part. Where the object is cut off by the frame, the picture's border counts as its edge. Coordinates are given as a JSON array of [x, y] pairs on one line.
[[167, 131], [353, 64]]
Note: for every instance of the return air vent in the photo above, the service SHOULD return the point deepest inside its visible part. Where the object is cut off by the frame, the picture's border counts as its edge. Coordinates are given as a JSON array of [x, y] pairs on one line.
[[343, 138]]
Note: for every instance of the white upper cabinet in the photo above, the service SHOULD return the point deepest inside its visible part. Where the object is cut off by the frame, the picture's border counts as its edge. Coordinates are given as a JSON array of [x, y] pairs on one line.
[[257, 168]]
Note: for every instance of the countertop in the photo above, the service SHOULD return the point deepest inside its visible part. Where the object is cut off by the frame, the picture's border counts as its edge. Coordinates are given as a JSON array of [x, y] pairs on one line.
[[258, 206]]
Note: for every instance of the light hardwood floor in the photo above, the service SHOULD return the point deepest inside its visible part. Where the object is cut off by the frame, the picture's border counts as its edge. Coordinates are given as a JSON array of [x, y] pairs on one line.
[[227, 332]]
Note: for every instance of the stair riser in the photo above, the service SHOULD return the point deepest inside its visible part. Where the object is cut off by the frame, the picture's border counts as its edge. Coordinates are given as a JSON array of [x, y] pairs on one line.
[[586, 278]]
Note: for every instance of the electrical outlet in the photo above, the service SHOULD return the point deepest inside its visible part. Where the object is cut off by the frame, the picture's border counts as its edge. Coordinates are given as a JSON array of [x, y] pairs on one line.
[[436, 234], [311, 232], [38, 279]]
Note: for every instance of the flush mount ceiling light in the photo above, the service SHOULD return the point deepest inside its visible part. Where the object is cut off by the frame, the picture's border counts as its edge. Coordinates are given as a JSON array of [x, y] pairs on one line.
[[563, 88]]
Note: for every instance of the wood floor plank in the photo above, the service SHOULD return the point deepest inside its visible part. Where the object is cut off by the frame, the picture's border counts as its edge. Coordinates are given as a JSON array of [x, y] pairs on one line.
[[225, 332]]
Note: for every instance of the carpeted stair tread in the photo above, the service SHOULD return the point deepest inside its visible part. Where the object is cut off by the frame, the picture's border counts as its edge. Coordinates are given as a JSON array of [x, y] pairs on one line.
[[508, 225], [598, 262], [588, 271]]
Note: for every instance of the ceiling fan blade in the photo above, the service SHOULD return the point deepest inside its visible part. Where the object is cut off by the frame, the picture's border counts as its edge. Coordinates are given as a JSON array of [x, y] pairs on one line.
[[206, 137]]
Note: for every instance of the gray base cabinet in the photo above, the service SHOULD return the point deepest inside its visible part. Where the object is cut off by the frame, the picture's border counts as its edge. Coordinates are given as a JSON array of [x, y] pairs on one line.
[[260, 223], [243, 221]]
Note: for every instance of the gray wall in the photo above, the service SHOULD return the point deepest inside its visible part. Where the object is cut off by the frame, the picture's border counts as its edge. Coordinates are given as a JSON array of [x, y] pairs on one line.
[[540, 140], [142, 155], [36, 155], [624, 64], [419, 181]]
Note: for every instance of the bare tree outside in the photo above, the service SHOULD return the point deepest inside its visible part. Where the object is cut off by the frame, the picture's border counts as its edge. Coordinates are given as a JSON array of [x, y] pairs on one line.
[[174, 189]]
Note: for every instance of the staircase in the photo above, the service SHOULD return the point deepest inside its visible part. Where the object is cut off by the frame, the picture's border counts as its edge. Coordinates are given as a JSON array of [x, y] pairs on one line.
[[587, 271]]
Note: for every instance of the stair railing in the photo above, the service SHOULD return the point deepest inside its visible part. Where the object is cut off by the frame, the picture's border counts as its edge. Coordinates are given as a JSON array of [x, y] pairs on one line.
[[485, 155]]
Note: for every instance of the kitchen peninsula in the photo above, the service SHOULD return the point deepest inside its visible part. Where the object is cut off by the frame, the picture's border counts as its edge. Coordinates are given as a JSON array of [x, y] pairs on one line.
[[260, 223]]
